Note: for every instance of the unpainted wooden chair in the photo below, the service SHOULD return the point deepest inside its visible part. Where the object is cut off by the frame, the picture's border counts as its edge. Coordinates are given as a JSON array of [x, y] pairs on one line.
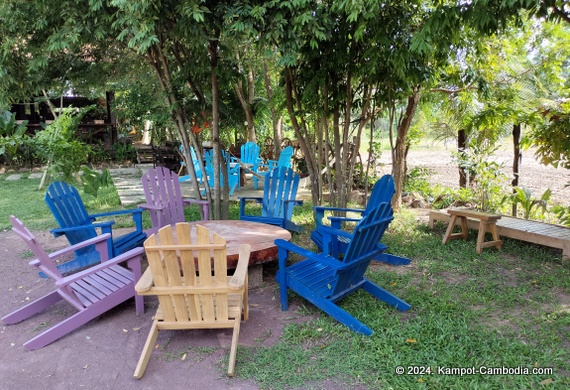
[[78, 225], [92, 291], [193, 288], [164, 199], [382, 191], [323, 279], [278, 201]]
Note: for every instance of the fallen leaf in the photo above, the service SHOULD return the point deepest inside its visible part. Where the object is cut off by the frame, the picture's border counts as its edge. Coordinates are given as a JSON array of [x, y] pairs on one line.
[[85, 366], [184, 357], [136, 328], [319, 329], [547, 382], [393, 284], [411, 341], [126, 330], [254, 304]]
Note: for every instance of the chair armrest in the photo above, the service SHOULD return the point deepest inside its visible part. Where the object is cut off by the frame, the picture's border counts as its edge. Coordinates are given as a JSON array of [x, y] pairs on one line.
[[145, 283], [320, 212], [133, 253], [194, 201], [237, 281], [337, 221], [82, 244], [289, 247], [152, 207], [118, 212], [136, 214], [105, 227], [243, 200]]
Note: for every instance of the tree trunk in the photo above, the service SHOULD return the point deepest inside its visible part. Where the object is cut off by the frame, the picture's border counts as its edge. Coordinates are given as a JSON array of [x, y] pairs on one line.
[[399, 162], [517, 158], [461, 147], [276, 119], [221, 194]]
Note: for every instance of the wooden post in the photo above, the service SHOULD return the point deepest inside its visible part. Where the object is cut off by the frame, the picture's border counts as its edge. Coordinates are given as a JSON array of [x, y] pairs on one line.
[[516, 161]]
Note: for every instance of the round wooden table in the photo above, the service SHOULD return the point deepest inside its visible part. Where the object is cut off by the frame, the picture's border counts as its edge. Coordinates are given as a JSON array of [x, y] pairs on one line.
[[260, 236]]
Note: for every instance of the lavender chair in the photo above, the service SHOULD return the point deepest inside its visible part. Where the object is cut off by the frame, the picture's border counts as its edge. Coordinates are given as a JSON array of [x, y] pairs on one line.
[[164, 199], [91, 292]]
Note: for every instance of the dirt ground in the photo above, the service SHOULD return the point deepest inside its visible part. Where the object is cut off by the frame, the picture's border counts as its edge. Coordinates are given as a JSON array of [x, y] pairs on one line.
[[103, 353], [533, 174]]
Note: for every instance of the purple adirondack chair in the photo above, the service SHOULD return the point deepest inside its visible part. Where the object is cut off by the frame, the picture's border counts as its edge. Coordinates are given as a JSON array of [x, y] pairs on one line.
[[92, 291], [164, 199]]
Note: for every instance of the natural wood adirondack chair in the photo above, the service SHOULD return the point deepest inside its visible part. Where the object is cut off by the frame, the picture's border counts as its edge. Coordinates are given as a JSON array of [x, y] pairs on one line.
[[77, 225], [323, 279], [383, 191], [164, 199], [92, 291], [193, 294], [279, 192]]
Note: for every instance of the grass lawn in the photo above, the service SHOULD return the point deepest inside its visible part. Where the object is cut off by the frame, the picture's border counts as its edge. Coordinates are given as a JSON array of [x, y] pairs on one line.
[[506, 309]]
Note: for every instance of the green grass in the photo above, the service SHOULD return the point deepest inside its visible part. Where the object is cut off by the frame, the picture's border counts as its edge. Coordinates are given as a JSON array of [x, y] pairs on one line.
[[497, 309], [506, 308]]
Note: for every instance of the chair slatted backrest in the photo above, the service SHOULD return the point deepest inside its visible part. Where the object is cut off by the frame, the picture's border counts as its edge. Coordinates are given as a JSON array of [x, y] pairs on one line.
[[383, 191], [162, 188], [363, 246], [176, 261], [69, 211], [250, 153], [280, 185], [285, 157]]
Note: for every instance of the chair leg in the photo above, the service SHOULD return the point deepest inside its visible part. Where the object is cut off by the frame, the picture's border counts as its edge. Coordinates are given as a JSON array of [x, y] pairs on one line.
[[342, 316], [147, 351], [385, 296], [32, 308], [233, 348]]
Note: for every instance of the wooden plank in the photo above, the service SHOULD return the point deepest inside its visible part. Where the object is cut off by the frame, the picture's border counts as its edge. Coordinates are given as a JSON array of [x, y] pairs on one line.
[[536, 232]]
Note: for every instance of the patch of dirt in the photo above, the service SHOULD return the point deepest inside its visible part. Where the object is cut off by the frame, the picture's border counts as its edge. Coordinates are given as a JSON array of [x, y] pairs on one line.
[[533, 174]]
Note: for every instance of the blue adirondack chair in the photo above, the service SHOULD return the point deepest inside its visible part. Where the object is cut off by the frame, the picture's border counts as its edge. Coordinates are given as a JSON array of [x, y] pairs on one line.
[[233, 171], [323, 279], [197, 167], [383, 191], [77, 225], [91, 292], [250, 155], [284, 159], [279, 192]]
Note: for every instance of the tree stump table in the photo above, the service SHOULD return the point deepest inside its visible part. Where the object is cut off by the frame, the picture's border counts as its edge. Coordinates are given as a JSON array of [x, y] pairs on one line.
[[487, 222], [260, 236]]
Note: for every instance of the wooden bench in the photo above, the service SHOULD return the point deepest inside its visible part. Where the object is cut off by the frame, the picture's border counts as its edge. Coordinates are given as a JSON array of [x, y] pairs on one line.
[[536, 232], [487, 222]]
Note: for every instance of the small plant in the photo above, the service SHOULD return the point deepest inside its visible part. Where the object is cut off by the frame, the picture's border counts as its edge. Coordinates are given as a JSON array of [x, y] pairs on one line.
[[12, 135], [523, 196], [124, 152], [93, 180], [57, 145]]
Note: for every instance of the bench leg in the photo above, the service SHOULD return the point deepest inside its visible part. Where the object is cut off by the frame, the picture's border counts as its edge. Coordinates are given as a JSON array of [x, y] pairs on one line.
[[449, 235], [481, 236]]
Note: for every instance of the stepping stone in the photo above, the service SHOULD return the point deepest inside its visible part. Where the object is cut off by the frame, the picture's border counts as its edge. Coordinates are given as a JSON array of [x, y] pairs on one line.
[[35, 175], [13, 177]]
